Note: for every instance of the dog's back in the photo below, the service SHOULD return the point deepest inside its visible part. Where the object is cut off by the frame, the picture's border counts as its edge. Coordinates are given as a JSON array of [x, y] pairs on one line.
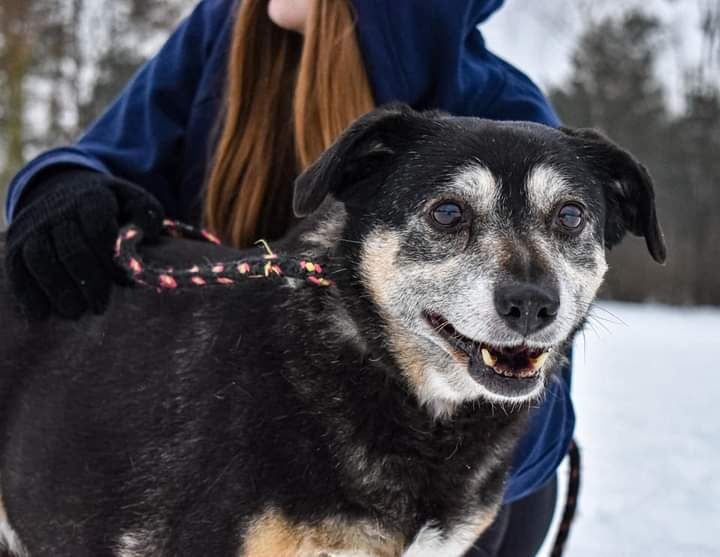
[[113, 420]]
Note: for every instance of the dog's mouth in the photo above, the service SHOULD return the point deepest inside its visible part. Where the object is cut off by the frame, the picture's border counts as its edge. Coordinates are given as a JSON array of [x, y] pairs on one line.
[[516, 366]]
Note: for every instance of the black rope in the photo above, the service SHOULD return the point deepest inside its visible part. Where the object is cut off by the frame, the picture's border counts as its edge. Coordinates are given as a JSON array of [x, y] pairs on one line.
[[570, 501], [268, 265]]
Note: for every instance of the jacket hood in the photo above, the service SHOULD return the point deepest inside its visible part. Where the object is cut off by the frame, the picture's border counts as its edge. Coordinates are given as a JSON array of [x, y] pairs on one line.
[[430, 54]]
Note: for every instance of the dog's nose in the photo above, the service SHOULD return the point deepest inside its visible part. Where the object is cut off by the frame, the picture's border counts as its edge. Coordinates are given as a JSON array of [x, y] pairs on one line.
[[526, 308]]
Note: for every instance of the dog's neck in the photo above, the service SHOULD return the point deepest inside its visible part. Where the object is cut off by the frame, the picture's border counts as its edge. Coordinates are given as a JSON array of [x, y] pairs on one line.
[[357, 323], [368, 410]]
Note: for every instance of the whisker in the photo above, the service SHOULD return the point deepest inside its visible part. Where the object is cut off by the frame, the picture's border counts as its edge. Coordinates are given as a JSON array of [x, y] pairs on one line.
[[619, 320]]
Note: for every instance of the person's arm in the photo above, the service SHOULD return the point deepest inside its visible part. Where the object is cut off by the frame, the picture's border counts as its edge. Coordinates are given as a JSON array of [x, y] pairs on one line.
[[64, 208], [518, 98]]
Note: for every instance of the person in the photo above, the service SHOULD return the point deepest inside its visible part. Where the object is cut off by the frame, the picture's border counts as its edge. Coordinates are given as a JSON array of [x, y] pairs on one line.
[[214, 129]]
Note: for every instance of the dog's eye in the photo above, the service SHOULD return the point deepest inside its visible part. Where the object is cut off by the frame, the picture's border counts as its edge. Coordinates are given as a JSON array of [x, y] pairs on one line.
[[446, 215], [571, 217]]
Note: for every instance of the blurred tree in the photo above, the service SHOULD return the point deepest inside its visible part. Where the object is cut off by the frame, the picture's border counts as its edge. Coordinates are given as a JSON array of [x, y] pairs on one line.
[[694, 174], [52, 88], [130, 24], [53, 66], [614, 87], [709, 66], [15, 59]]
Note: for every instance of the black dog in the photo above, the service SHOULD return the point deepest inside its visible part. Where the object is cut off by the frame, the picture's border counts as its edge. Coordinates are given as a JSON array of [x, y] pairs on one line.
[[275, 418]]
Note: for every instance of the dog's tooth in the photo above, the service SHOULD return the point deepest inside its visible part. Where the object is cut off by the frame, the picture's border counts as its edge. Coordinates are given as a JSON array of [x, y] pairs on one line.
[[489, 359], [538, 362]]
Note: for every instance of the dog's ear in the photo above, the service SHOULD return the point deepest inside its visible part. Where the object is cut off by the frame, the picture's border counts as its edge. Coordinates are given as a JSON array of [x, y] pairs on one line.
[[628, 191], [364, 150]]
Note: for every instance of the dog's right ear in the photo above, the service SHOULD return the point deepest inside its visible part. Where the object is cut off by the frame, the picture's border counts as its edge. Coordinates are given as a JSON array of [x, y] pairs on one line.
[[364, 150]]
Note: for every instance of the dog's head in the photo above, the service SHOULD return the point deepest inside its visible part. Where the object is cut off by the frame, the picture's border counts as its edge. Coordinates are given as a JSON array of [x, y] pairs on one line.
[[481, 244]]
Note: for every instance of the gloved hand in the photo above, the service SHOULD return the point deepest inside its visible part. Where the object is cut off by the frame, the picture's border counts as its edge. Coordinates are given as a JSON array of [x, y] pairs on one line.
[[60, 243]]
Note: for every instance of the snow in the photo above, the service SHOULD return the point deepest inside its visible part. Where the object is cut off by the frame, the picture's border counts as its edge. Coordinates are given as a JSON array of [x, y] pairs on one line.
[[646, 387]]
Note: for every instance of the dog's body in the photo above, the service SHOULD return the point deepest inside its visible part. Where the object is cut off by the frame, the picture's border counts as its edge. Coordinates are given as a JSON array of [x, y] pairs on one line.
[[278, 419], [182, 423]]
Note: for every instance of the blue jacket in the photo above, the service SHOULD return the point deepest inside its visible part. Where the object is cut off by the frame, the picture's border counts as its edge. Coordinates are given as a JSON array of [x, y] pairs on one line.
[[159, 131]]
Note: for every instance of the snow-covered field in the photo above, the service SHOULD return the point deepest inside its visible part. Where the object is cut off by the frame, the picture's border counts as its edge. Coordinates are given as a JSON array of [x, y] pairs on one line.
[[647, 397]]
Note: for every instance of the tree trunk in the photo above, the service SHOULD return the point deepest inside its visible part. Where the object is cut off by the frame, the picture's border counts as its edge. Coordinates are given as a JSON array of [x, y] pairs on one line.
[[15, 60]]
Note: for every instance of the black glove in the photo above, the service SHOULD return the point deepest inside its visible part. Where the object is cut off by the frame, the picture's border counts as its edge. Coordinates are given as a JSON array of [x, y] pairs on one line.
[[60, 243]]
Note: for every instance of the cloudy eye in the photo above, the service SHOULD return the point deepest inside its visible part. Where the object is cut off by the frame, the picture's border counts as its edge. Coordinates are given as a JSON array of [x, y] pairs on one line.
[[571, 217], [446, 215]]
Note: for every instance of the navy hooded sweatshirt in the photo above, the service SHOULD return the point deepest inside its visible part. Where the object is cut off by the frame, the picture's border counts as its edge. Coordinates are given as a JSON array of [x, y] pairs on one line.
[[427, 53]]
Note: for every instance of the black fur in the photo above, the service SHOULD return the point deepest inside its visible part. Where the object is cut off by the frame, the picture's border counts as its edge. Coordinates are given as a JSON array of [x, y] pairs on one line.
[[193, 411], [185, 414]]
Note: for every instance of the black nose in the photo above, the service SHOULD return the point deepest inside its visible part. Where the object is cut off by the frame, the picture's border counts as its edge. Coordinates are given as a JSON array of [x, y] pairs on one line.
[[526, 308]]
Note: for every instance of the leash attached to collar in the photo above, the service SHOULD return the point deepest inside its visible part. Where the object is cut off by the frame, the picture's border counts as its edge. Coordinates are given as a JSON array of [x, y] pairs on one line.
[[269, 265]]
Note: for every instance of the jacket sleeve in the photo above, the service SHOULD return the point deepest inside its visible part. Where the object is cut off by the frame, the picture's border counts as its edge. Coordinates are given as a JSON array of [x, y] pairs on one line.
[[518, 97], [546, 441], [140, 136]]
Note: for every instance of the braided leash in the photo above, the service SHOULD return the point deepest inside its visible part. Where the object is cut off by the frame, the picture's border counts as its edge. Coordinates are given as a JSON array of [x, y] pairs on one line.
[[269, 265], [570, 501]]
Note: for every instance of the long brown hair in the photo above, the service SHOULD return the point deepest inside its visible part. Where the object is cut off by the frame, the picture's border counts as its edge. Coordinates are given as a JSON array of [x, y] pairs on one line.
[[287, 97]]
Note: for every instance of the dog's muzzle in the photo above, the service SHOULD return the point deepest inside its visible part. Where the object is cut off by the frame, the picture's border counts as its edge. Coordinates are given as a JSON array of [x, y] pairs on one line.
[[512, 371]]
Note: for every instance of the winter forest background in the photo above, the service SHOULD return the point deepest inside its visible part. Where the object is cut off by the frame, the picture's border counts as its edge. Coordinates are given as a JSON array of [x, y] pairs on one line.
[[648, 74]]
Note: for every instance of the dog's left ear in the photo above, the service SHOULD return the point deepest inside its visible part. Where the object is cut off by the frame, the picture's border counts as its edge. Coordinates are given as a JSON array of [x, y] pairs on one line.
[[628, 191], [354, 166]]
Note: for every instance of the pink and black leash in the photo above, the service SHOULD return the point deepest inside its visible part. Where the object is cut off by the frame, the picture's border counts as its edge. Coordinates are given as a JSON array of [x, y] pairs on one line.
[[571, 499], [271, 265], [268, 265]]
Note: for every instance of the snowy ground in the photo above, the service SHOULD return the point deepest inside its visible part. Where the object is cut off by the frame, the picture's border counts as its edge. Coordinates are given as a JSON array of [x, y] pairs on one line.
[[647, 396]]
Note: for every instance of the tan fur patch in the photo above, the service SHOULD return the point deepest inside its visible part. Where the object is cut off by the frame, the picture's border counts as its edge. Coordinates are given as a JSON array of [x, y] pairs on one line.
[[439, 380], [431, 542], [378, 260], [476, 183], [271, 535], [546, 186], [377, 263], [409, 357]]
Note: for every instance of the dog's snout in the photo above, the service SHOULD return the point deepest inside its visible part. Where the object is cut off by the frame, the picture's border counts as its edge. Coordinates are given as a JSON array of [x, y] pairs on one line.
[[526, 308]]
